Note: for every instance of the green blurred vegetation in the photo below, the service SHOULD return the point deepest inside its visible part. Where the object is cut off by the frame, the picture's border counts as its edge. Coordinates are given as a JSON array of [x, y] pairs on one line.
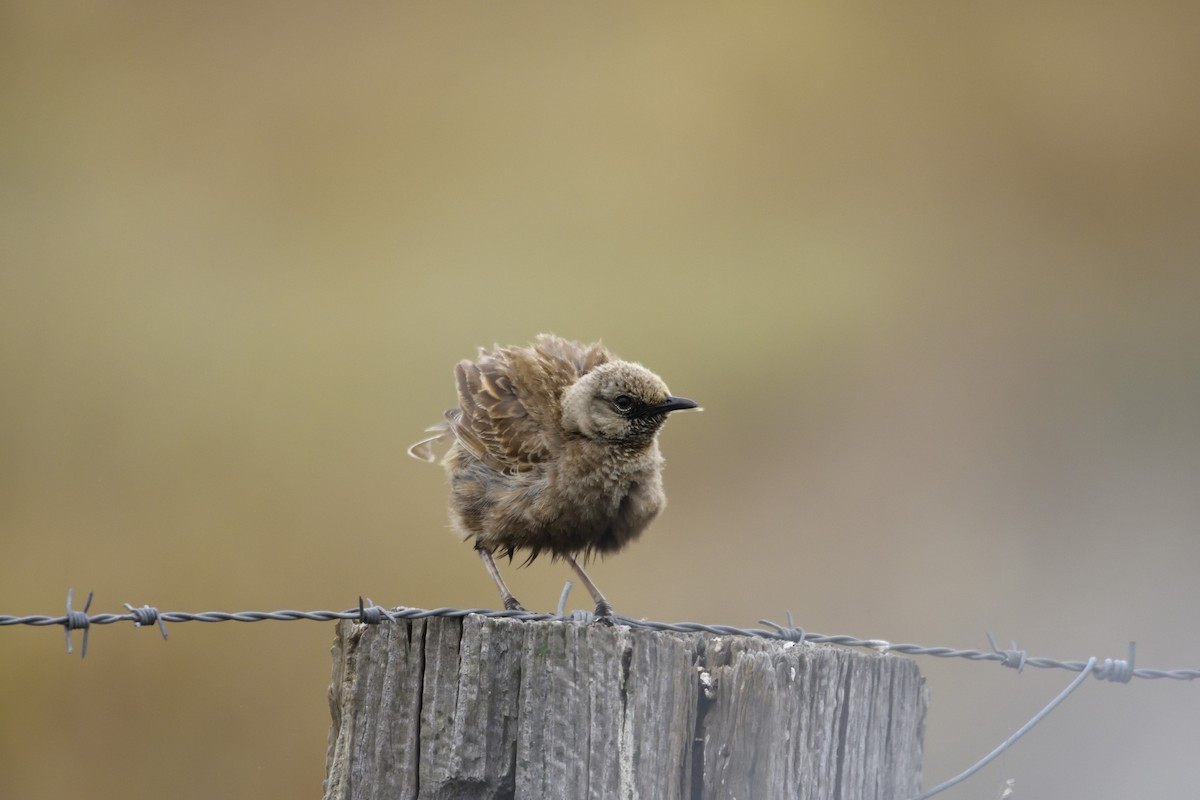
[[932, 271]]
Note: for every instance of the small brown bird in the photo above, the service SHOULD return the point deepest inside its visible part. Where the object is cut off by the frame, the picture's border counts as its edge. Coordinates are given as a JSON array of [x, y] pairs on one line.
[[554, 449]]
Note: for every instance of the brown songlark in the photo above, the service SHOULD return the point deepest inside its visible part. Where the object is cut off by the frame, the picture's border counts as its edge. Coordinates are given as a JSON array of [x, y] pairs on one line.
[[554, 449]]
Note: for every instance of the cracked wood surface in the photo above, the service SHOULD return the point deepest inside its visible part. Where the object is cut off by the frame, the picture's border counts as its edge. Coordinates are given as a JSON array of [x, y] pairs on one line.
[[448, 709]]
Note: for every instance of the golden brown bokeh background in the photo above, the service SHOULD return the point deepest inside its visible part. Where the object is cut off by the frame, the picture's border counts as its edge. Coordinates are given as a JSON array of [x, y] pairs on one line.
[[933, 270]]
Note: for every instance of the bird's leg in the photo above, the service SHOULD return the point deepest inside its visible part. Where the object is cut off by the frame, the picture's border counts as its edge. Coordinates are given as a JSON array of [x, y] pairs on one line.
[[603, 608], [510, 602]]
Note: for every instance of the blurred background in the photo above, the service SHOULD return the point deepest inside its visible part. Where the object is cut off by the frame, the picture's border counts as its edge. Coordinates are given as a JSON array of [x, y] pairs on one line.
[[932, 271]]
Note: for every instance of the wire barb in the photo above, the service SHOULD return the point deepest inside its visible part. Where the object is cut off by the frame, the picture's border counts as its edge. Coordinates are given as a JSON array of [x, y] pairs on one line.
[[562, 599], [1013, 659], [372, 614], [77, 620], [146, 615], [789, 633]]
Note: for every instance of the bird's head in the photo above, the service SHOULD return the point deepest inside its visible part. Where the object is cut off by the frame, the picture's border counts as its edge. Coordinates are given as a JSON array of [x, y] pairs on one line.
[[619, 402]]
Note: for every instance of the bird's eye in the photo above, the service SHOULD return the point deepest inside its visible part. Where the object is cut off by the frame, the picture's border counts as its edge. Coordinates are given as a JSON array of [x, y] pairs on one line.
[[622, 403]]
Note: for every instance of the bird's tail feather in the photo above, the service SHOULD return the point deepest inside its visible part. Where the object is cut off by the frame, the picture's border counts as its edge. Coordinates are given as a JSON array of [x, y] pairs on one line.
[[423, 450]]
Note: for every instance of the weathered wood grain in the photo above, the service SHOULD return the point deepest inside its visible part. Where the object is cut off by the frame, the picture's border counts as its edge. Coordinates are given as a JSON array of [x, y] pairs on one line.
[[446, 709]]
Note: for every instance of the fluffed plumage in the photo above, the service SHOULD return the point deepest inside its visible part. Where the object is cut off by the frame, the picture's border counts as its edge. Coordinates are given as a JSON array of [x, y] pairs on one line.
[[553, 449]]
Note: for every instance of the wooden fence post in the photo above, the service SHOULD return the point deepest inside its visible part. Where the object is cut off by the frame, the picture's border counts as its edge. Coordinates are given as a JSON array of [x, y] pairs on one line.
[[481, 707]]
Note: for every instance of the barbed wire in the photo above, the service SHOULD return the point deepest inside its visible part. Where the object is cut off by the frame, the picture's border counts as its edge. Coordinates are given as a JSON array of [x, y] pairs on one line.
[[368, 613], [1119, 670]]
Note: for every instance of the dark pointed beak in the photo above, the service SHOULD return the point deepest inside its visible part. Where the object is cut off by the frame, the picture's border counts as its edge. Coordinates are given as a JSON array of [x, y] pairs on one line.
[[668, 405]]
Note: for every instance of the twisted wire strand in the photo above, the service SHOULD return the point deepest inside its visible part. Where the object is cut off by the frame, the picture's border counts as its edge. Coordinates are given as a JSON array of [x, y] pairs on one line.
[[1121, 670]]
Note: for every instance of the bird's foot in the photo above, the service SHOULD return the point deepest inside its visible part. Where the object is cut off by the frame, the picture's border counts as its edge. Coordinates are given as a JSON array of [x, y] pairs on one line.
[[604, 612], [512, 604]]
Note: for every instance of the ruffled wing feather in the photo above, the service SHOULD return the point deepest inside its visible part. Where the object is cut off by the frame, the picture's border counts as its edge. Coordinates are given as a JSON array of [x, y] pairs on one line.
[[509, 414]]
